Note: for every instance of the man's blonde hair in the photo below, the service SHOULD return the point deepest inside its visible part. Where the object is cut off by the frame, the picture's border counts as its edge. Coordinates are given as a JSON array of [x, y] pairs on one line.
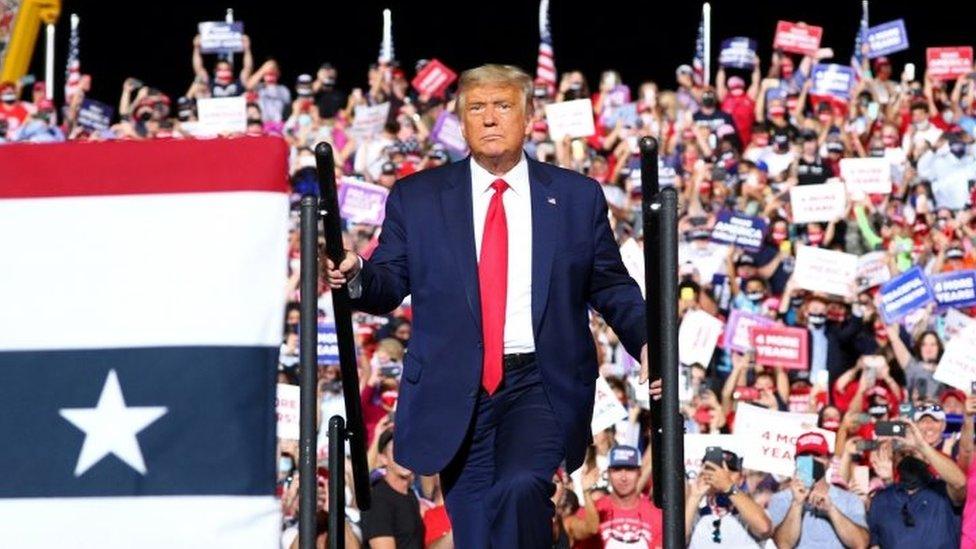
[[495, 75]]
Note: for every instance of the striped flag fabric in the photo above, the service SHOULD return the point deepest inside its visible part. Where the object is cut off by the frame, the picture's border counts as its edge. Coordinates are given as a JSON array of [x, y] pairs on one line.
[[142, 289], [698, 63], [546, 66], [72, 73], [857, 58]]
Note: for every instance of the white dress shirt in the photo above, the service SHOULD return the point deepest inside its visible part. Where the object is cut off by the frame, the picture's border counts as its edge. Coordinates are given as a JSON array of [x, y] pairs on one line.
[[518, 215]]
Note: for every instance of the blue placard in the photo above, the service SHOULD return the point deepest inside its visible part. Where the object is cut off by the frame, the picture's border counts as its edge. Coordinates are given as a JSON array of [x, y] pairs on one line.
[[95, 115], [221, 37], [738, 53], [903, 294], [832, 80], [744, 231], [955, 289], [328, 344], [626, 113], [886, 38]]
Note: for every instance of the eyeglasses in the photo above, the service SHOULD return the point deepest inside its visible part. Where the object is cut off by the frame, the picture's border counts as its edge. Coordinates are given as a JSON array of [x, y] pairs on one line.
[[717, 532], [906, 516]]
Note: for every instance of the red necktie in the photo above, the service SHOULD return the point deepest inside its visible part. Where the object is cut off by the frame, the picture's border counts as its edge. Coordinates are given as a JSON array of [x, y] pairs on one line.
[[493, 283]]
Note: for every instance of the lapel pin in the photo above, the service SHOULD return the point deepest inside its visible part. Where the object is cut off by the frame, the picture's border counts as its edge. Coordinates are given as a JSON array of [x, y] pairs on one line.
[[551, 200]]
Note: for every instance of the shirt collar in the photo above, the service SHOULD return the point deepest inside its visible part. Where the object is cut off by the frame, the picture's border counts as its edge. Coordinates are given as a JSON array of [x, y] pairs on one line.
[[517, 177]]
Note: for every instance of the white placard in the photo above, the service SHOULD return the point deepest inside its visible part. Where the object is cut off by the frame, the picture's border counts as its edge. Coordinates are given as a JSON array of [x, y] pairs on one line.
[[368, 120], [695, 445], [872, 270], [697, 337], [287, 409], [222, 115], [820, 270], [866, 175], [818, 203], [956, 322], [768, 437], [573, 118], [958, 364], [607, 410]]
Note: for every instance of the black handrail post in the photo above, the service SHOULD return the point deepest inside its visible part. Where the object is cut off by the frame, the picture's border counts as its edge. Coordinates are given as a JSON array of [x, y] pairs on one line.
[[308, 345]]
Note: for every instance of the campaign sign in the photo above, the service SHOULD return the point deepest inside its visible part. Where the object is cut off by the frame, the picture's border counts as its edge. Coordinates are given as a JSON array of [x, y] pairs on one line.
[[221, 37], [957, 367], [818, 203], [954, 289], [867, 175], [797, 37], [832, 80], [328, 345], [607, 409], [872, 270], [361, 202], [768, 437], [697, 337], [222, 115], [626, 114], [737, 329], [287, 401], [955, 323], [368, 120], [781, 346], [738, 53], [447, 132], [821, 270], [94, 115], [903, 294], [573, 118], [949, 63], [433, 79], [744, 231], [886, 38]]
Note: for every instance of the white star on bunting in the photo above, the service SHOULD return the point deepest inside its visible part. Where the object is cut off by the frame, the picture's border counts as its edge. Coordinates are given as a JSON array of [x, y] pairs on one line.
[[111, 427]]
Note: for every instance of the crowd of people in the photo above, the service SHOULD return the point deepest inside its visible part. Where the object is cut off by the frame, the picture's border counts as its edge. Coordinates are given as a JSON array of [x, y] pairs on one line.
[[896, 471]]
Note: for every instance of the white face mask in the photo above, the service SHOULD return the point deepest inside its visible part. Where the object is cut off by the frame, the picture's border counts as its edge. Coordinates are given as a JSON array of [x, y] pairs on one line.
[[947, 117]]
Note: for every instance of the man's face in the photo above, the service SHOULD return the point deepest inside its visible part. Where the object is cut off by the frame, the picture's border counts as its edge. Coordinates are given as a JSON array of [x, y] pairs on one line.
[[494, 121], [623, 480], [931, 429]]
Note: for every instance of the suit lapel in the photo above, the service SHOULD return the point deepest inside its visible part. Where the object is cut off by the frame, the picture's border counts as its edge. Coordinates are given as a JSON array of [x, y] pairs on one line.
[[456, 207], [545, 211]]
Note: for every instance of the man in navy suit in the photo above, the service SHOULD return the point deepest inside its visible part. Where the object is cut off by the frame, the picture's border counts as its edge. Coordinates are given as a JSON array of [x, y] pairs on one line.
[[502, 256]]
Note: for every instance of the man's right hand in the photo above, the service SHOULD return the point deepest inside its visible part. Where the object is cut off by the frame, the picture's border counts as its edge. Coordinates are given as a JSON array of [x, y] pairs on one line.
[[348, 269]]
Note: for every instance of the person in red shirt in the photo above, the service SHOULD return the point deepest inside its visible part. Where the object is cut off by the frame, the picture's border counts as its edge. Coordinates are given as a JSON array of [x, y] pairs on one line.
[[625, 518], [14, 112], [739, 102]]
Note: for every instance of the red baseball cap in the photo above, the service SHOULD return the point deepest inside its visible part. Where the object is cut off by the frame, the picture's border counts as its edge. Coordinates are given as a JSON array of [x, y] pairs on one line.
[[812, 443]]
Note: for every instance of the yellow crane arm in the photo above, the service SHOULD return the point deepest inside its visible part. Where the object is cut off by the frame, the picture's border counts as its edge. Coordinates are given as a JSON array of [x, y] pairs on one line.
[[17, 55]]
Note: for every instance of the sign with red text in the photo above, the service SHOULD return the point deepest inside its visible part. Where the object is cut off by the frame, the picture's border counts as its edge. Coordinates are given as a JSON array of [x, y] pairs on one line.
[[286, 408], [821, 270], [607, 409], [697, 337], [433, 79], [867, 175], [768, 437], [949, 63], [797, 37], [957, 367], [818, 203], [781, 346]]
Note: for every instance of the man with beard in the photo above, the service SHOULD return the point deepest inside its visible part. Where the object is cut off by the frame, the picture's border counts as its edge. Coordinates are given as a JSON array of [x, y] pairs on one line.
[[920, 509]]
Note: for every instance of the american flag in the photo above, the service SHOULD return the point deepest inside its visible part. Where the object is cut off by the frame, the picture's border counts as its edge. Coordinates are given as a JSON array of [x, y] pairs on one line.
[[698, 63], [857, 58], [72, 73], [546, 69]]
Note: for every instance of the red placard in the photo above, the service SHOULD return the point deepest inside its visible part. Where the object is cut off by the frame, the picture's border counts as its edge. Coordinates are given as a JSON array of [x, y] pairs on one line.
[[780, 346], [433, 79], [797, 37], [949, 63]]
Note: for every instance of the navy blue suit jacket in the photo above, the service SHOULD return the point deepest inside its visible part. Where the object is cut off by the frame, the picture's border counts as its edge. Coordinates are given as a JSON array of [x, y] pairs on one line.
[[427, 250]]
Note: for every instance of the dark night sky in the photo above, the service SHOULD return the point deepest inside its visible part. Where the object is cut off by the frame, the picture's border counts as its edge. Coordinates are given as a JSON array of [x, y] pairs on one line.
[[648, 39]]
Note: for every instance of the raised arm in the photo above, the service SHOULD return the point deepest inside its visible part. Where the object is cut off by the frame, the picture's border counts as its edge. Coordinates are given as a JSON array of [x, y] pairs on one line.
[[198, 68], [247, 66]]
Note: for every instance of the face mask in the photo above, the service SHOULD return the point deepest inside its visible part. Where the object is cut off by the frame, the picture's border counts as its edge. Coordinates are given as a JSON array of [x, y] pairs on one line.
[[285, 464], [762, 140], [815, 239], [913, 473], [778, 236], [831, 425], [782, 148], [708, 101], [755, 297], [9, 97], [819, 471], [816, 321], [796, 302], [947, 117], [957, 148], [304, 120], [223, 76], [328, 82], [921, 125], [824, 119]]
